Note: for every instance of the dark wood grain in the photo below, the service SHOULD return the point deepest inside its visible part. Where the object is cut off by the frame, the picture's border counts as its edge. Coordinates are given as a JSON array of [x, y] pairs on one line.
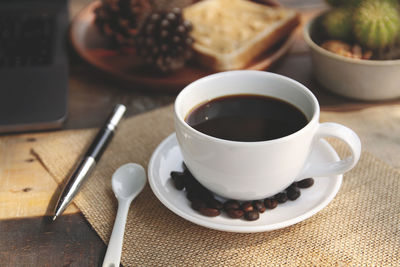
[[69, 241], [93, 93]]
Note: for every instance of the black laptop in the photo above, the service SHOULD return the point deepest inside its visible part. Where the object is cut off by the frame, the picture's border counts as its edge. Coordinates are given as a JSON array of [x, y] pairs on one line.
[[33, 64]]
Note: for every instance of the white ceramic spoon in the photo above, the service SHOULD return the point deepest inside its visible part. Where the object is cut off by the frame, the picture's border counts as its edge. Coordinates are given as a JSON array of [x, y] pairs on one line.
[[127, 182]]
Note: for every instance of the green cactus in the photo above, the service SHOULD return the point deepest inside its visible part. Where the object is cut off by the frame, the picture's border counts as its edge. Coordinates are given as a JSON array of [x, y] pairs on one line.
[[337, 24], [377, 24]]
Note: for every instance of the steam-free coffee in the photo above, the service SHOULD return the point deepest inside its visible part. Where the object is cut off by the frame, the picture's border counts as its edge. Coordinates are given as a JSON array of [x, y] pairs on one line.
[[246, 118]]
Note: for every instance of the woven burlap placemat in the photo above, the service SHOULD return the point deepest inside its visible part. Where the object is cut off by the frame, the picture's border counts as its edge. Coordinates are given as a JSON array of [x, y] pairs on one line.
[[360, 227]]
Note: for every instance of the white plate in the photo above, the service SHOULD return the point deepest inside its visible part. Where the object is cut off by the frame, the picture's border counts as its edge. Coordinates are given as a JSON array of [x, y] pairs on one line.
[[167, 157]]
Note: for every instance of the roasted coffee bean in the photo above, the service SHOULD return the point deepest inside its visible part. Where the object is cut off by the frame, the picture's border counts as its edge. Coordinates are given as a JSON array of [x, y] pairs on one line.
[[293, 193], [215, 204], [184, 167], [192, 195], [190, 178], [200, 191], [178, 183], [209, 212], [252, 215], [203, 200], [305, 183], [281, 197], [197, 204], [231, 204], [259, 206], [206, 195], [270, 203], [235, 213], [175, 174], [187, 173], [192, 184], [293, 185], [247, 206], [178, 179]]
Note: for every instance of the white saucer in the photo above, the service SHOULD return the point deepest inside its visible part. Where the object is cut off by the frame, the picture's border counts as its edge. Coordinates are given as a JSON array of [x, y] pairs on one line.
[[167, 157]]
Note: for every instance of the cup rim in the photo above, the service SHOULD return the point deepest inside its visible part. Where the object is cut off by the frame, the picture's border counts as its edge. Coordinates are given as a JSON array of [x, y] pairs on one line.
[[314, 46], [314, 118]]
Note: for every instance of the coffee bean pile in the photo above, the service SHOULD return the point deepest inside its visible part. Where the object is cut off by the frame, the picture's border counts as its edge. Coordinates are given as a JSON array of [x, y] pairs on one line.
[[204, 201]]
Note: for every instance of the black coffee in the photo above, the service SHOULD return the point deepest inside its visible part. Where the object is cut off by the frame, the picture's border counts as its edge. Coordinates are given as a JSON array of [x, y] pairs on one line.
[[247, 118]]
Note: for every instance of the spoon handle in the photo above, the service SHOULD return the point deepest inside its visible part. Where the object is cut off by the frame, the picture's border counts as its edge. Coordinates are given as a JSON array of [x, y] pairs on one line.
[[113, 254]]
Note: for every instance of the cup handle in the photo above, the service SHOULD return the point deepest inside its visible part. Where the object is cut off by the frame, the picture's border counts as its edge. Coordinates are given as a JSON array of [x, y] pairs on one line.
[[330, 129]]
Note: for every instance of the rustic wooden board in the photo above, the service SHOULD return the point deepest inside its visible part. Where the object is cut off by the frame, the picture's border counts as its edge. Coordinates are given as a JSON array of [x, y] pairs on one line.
[[26, 188], [35, 242]]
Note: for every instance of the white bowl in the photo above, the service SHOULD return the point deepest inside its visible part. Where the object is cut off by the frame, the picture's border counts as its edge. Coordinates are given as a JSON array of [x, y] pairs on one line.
[[353, 78]]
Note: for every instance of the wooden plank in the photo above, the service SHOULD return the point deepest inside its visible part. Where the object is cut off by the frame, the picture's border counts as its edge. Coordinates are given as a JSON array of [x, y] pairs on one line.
[[26, 188], [35, 242]]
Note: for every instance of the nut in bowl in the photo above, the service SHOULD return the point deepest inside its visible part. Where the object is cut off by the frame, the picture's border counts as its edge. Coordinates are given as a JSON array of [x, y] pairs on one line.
[[351, 76]]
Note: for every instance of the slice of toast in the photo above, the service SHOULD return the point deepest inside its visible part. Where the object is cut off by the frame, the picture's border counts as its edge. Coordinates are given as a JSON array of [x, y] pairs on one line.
[[229, 34]]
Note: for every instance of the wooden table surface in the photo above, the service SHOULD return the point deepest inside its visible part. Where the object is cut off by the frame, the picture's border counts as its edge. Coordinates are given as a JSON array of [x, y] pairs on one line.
[[26, 188]]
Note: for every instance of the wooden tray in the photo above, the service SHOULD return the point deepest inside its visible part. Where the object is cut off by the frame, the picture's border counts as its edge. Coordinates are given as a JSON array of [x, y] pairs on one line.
[[92, 46]]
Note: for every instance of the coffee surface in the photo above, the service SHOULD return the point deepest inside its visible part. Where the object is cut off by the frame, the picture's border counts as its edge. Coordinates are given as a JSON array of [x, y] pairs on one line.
[[246, 118]]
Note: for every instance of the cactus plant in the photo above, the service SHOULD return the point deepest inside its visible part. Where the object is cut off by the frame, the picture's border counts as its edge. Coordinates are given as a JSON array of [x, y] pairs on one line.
[[377, 24], [337, 24]]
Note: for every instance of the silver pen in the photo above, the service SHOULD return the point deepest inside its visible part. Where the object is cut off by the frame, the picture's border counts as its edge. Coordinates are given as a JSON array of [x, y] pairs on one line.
[[88, 162]]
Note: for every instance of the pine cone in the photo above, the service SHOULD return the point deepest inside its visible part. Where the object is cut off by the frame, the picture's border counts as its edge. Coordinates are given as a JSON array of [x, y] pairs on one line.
[[119, 20], [163, 41]]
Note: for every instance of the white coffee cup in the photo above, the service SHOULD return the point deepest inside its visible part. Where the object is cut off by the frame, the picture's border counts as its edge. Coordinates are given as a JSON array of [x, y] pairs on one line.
[[256, 170]]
